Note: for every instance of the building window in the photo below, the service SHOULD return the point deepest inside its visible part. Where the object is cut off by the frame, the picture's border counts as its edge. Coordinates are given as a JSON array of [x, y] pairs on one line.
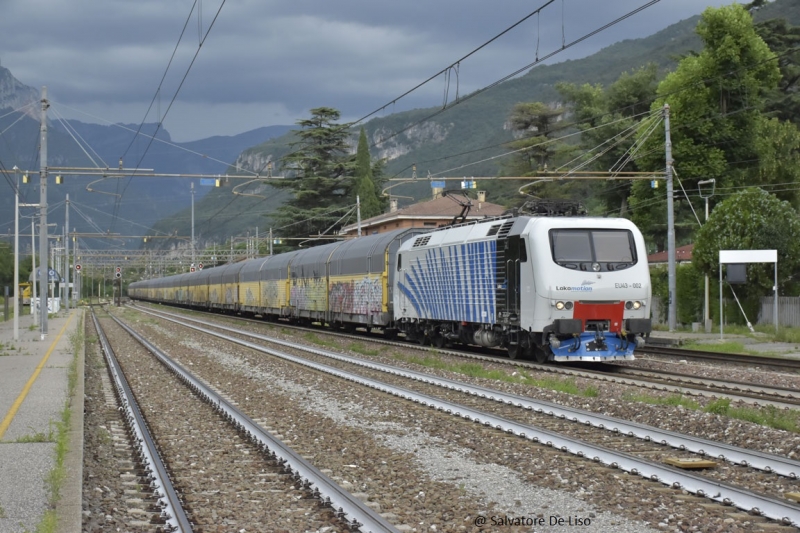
[[429, 224]]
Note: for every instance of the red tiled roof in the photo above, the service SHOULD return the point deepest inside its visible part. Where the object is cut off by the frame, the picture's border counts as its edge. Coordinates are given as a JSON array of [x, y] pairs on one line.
[[442, 207], [682, 254]]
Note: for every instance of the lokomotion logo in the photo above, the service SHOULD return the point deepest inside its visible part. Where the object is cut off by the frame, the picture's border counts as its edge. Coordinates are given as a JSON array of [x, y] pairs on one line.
[[586, 286]]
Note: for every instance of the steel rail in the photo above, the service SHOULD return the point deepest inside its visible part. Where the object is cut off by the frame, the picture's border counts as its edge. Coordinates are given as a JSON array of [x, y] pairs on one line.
[[753, 390], [776, 464], [733, 358], [783, 511], [325, 489], [172, 510], [732, 390]]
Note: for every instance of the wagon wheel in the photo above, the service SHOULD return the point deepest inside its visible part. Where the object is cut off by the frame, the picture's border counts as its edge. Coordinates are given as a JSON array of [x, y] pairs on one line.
[[540, 355], [514, 351], [439, 341]]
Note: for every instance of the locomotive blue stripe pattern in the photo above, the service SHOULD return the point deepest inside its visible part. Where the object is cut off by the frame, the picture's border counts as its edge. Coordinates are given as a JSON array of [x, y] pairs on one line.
[[453, 283]]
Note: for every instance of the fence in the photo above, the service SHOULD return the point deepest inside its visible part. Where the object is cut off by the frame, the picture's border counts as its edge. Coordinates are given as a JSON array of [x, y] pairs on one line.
[[788, 310]]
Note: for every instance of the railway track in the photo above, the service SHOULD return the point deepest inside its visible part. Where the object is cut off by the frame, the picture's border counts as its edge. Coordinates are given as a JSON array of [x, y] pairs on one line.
[[152, 504], [596, 438], [750, 361], [661, 380], [227, 468]]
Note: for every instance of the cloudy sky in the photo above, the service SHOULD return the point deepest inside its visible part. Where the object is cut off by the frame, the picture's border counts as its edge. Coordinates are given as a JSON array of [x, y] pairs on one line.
[[266, 62]]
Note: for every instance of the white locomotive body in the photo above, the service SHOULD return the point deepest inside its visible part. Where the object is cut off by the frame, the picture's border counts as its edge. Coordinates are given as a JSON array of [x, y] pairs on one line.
[[558, 288]]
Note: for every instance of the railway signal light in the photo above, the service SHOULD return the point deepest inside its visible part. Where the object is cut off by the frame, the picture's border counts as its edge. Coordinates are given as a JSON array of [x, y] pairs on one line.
[[59, 179]]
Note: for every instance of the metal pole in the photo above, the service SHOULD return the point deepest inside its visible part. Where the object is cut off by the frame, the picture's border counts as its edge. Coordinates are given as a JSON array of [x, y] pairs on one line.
[[358, 214], [78, 278], [16, 256], [193, 261], [775, 303], [66, 255], [43, 214], [270, 241], [673, 314], [707, 301], [707, 306], [33, 269], [720, 300]]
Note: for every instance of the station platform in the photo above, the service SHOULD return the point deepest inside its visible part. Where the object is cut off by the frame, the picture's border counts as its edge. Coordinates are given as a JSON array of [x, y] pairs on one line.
[[34, 386]]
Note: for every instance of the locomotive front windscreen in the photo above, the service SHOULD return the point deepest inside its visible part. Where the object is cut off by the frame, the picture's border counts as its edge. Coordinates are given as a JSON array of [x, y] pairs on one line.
[[571, 247]]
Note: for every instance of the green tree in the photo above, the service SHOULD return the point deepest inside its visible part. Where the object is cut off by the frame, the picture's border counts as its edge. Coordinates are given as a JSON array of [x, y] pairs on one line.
[[778, 147], [536, 150], [752, 220], [533, 122], [784, 41], [607, 118], [715, 100], [319, 172], [365, 186], [6, 265]]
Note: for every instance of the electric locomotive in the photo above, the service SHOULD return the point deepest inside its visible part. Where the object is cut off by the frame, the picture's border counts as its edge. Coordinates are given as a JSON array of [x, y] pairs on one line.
[[550, 288]]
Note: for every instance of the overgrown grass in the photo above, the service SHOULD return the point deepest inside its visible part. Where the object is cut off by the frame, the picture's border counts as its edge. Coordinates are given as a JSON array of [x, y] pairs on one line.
[[55, 478], [39, 436], [720, 347], [769, 416], [6, 349], [360, 348], [477, 370], [790, 335], [673, 400], [313, 339]]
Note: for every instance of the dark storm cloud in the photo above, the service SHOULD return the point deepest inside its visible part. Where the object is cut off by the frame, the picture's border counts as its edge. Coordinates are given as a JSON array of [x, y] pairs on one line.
[[268, 62]]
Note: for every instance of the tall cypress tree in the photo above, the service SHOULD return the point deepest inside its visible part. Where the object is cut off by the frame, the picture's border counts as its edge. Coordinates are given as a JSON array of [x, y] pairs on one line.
[[365, 187]]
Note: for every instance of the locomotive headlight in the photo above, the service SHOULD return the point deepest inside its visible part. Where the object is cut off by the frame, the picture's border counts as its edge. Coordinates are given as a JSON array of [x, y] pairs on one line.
[[637, 305], [568, 305], [628, 305], [560, 305], [596, 267], [633, 305]]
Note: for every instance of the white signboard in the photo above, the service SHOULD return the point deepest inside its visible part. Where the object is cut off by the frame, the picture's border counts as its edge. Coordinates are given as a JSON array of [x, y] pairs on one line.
[[748, 256]]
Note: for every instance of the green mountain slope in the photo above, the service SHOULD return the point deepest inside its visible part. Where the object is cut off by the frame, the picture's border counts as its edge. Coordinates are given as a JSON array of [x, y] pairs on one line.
[[467, 139]]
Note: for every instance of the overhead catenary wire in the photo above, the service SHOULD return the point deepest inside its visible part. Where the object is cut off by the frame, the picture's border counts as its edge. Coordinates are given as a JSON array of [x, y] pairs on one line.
[[174, 97], [73, 133]]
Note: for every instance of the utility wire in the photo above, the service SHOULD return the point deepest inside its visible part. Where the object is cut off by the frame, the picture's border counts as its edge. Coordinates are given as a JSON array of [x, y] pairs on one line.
[[161, 83], [174, 97]]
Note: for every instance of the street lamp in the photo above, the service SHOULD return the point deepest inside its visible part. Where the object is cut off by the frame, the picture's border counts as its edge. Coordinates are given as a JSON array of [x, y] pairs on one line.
[[706, 306]]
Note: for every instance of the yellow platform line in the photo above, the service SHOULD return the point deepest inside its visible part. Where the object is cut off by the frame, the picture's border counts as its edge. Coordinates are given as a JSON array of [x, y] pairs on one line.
[[21, 398]]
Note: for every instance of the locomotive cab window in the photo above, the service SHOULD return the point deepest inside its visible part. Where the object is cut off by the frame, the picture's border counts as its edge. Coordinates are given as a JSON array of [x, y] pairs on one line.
[[583, 249]]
